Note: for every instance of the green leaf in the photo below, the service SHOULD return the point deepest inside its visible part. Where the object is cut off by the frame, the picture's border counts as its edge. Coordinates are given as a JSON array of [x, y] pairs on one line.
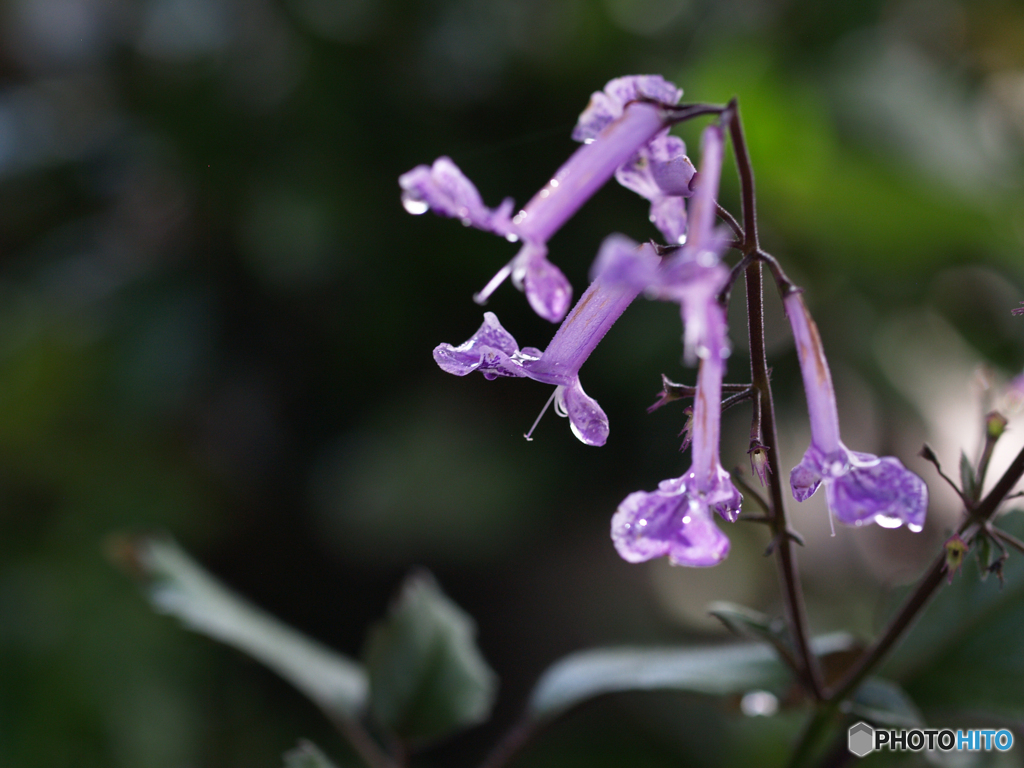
[[968, 483], [884, 703], [716, 670], [306, 755], [427, 676], [964, 653], [750, 623], [180, 587]]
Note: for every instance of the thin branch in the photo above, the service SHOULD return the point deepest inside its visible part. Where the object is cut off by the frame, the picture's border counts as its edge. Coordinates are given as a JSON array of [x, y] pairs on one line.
[[729, 219]]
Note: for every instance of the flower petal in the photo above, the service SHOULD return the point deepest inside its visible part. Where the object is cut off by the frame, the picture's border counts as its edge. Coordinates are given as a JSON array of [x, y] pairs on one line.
[[489, 351], [547, 289], [806, 476], [607, 105], [445, 190], [589, 423], [670, 522], [883, 492]]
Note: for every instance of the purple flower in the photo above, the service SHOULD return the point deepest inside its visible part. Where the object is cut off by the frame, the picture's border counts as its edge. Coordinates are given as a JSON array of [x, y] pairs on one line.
[[619, 122], [677, 519], [662, 173], [860, 488], [493, 351]]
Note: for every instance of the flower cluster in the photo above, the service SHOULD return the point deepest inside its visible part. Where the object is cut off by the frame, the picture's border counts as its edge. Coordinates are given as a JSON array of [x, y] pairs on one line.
[[624, 131]]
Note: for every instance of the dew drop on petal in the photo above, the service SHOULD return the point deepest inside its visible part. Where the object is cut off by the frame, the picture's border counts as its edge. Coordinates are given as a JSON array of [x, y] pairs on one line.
[[888, 522], [706, 258], [545, 192], [553, 183], [686, 520], [588, 141], [914, 528], [512, 237], [642, 523], [414, 205], [466, 221]]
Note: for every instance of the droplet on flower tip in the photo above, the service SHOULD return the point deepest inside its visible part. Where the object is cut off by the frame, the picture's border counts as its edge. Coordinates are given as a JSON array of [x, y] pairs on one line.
[[682, 238], [888, 522], [414, 205], [466, 222], [588, 141], [651, 219], [914, 528], [512, 237]]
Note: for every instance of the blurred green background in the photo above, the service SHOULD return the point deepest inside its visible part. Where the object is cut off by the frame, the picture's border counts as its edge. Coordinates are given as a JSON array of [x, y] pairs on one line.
[[216, 320]]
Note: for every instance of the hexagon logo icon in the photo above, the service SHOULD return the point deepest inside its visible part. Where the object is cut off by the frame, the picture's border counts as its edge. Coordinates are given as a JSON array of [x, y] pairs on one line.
[[861, 739]]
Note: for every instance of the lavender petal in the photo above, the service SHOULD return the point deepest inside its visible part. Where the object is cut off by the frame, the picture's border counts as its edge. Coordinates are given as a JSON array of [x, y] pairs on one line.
[[445, 190], [589, 423], [883, 492], [607, 105], [668, 521], [490, 350]]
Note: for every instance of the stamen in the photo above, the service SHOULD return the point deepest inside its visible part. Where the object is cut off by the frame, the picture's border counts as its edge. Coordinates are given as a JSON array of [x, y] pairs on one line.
[[831, 521], [543, 410], [491, 287]]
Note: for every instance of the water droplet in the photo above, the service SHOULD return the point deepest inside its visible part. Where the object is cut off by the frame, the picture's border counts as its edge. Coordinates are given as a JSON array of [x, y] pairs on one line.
[[759, 704], [642, 523], [888, 522], [545, 192], [682, 239], [686, 519], [553, 183], [651, 218], [512, 237], [706, 258], [518, 219], [588, 141], [914, 528], [414, 205], [466, 221]]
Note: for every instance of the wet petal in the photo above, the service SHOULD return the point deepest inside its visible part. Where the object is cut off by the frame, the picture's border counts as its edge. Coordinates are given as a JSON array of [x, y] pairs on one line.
[[884, 492], [490, 350], [607, 105], [445, 190], [670, 522], [547, 289], [589, 423], [806, 476]]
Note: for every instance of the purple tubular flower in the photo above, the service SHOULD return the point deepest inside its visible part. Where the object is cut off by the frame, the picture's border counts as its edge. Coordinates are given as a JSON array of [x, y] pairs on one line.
[[860, 488], [677, 520], [494, 352], [619, 122]]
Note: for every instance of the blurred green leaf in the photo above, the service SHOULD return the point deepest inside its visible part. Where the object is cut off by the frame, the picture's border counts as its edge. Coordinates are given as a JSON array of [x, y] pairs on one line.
[[180, 587], [427, 676], [717, 670], [884, 703], [964, 653], [306, 755], [750, 623]]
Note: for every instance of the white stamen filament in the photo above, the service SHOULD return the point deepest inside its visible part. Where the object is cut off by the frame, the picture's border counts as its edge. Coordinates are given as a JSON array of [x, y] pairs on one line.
[[491, 287], [529, 435]]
